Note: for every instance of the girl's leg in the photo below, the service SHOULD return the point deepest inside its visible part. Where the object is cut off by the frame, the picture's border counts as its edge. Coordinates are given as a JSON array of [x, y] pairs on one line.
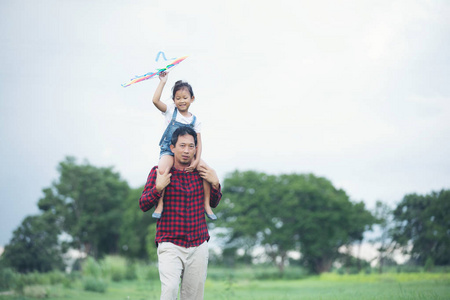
[[166, 162], [207, 191], [207, 195]]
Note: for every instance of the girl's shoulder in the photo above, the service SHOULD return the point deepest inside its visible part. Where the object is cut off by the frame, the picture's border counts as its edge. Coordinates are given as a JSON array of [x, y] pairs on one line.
[[170, 108]]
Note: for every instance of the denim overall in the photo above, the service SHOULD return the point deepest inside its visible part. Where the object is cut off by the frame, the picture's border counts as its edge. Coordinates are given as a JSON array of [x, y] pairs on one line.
[[166, 139]]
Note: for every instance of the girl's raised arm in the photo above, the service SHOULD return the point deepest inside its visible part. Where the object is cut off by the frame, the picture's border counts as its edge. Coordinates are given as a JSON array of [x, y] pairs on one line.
[[157, 96]]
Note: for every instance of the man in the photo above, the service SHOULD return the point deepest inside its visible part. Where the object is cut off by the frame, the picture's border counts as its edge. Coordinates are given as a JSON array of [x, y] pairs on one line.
[[181, 233]]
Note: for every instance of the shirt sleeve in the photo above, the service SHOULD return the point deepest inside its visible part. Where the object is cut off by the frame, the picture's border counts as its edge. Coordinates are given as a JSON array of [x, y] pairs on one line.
[[215, 197], [150, 195], [198, 126], [169, 112]]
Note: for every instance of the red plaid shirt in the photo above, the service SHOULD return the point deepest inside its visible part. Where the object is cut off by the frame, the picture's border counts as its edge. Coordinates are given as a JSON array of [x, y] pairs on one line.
[[183, 219]]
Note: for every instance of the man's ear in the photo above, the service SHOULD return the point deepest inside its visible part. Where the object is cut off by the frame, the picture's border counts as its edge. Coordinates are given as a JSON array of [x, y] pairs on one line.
[[172, 147]]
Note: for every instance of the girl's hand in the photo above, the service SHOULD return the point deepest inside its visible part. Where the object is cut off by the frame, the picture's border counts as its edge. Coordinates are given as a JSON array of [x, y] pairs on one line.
[[163, 76], [192, 166]]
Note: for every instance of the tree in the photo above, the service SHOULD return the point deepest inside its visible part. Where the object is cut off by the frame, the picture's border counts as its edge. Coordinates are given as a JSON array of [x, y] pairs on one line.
[[424, 223], [134, 232], [88, 201], [384, 215], [291, 212], [34, 246]]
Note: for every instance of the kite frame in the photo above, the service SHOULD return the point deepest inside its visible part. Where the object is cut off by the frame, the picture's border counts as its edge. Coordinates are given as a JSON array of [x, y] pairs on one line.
[[150, 75]]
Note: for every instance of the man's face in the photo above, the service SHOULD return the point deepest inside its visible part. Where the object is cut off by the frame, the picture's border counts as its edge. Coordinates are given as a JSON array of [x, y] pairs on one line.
[[185, 149]]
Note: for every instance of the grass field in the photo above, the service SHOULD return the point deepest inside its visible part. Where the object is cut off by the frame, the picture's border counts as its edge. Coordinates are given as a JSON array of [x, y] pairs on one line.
[[231, 284], [109, 279]]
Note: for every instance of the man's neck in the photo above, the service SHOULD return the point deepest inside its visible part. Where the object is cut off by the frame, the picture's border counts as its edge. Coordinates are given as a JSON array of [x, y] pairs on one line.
[[180, 167]]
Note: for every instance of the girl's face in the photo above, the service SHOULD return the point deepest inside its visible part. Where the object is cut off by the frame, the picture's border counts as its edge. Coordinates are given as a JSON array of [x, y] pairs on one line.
[[183, 100]]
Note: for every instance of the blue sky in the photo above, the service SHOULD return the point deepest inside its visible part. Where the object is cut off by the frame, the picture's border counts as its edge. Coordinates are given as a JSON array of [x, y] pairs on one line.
[[356, 92]]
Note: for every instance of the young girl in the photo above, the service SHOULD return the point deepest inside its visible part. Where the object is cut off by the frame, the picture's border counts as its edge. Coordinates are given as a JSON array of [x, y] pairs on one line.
[[177, 114]]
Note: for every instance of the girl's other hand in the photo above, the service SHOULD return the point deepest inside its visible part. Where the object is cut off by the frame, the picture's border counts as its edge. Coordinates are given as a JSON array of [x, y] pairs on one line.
[[192, 167]]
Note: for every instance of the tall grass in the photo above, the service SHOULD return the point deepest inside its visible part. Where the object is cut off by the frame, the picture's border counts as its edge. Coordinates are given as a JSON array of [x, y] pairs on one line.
[[385, 277], [115, 278]]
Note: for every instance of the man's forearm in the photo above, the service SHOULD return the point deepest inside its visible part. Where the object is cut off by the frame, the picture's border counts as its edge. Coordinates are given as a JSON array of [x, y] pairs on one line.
[[215, 195], [149, 199]]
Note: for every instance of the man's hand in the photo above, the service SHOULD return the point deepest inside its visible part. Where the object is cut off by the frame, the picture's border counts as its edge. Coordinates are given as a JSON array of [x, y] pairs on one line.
[[162, 180], [209, 175]]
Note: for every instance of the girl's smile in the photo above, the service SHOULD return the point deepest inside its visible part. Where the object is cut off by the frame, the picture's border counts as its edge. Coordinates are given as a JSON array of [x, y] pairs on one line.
[[183, 100]]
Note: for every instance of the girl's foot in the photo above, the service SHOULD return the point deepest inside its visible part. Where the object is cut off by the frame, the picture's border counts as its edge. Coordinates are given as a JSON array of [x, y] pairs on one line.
[[156, 214], [210, 214]]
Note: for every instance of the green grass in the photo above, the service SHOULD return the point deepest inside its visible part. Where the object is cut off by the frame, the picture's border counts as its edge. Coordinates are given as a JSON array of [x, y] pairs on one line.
[[243, 283], [318, 289]]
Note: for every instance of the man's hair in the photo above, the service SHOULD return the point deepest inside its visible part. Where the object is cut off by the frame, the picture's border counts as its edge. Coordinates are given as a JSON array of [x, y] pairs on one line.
[[183, 130]]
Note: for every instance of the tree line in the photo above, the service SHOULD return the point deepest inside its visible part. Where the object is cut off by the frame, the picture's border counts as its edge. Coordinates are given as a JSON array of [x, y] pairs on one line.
[[92, 209]]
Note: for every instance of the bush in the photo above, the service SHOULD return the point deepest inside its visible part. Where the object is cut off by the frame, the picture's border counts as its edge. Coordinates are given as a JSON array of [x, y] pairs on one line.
[[94, 285], [56, 277], [407, 268], [92, 268], [295, 273], [130, 272], [269, 274], [7, 279], [117, 274], [67, 283], [75, 275], [33, 278], [35, 291], [429, 264], [19, 284], [152, 273]]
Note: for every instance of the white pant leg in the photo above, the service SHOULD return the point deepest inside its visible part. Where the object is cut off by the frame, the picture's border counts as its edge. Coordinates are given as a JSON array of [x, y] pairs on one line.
[[194, 275], [170, 265]]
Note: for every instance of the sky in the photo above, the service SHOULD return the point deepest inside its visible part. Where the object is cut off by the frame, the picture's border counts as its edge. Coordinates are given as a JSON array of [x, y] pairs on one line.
[[354, 91]]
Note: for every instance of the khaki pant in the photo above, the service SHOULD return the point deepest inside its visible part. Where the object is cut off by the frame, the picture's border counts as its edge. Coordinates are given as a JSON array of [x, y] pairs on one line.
[[188, 264]]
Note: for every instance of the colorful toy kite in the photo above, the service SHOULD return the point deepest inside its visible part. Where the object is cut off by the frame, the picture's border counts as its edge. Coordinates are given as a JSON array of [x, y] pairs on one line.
[[157, 72]]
